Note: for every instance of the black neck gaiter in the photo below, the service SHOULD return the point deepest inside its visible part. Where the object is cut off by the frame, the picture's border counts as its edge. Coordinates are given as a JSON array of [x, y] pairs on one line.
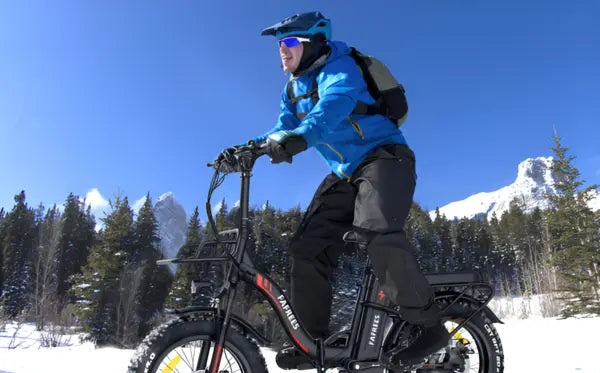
[[312, 51]]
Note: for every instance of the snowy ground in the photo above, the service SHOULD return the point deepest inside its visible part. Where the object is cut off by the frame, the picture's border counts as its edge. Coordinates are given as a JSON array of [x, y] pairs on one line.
[[545, 345]]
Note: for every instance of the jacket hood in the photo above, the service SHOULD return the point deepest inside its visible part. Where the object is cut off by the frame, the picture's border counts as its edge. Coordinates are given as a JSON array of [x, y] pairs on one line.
[[338, 49]]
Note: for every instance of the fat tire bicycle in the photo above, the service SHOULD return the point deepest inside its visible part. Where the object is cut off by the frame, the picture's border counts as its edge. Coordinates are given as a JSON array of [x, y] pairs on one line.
[[211, 339]]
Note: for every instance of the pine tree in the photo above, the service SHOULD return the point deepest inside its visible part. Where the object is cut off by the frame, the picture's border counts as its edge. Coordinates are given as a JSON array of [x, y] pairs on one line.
[[442, 242], [500, 257], [482, 245], [514, 224], [76, 238], [45, 290], [288, 224], [98, 290], [2, 235], [268, 240], [465, 244], [575, 236], [18, 252], [155, 280], [179, 294], [223, 218], [421, 235], [538, 274]]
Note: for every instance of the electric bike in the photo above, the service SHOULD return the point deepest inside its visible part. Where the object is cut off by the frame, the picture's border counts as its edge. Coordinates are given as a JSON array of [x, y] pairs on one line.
[[211, 339]]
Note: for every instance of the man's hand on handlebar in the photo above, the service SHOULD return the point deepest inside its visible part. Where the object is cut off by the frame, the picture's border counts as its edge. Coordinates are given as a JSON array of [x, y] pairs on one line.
[[283, 145], [226, 161], [238, 158]]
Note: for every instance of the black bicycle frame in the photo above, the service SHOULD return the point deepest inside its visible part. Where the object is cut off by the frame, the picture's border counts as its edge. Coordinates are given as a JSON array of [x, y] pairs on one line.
[[363, 343], [366, 310]]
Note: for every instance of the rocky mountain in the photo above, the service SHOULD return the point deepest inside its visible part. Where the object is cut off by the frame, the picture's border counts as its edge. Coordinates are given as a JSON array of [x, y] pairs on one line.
[[172, 224], [534, 180]]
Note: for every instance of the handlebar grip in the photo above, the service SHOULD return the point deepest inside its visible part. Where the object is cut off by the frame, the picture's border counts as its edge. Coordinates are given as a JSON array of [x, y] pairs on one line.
[[257, 150]]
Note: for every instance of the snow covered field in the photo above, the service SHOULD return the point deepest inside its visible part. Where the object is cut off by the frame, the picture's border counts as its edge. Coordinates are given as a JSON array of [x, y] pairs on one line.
[[545, 345]]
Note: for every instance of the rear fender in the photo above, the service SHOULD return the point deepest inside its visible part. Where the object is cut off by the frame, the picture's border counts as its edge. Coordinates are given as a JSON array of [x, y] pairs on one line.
[[240, 323]]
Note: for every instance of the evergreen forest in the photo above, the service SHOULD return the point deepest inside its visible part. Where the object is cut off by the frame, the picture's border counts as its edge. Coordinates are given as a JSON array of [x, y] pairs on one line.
[[56, 270]]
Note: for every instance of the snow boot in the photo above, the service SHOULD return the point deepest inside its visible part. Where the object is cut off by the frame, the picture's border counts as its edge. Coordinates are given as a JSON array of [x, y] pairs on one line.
[[291, 358], [428, 340]]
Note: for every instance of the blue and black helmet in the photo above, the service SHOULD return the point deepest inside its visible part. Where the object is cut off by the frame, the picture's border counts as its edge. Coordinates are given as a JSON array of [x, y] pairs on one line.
[[305, 24]]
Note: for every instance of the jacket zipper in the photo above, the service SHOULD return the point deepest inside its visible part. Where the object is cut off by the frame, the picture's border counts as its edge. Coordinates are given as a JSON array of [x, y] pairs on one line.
[[356, 127], [341, 161]]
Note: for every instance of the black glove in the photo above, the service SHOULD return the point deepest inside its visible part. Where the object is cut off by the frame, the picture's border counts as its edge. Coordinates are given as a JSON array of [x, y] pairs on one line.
[[226, 161], [282, 145]]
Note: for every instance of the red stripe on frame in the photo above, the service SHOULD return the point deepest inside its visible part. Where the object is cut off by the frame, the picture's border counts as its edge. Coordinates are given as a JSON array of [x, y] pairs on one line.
[[262, 285], [292, 334], [299, 344]]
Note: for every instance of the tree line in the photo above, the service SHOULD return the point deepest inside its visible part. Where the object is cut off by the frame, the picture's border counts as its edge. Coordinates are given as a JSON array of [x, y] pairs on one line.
[[55, 268]]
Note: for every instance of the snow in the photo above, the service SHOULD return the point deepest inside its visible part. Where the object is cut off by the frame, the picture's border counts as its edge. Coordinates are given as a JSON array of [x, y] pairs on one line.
[[537, 344], [595, 202], [138, 204]]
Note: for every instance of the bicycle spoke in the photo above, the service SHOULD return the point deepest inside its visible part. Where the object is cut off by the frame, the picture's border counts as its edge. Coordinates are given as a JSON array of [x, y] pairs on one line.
[[182, 358]]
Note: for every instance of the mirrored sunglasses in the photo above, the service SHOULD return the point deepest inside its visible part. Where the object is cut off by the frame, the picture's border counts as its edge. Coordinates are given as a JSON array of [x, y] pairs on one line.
[[292, 41]]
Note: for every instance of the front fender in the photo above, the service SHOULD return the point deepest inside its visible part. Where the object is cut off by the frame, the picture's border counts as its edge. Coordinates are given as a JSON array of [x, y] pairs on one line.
[[239, 322]]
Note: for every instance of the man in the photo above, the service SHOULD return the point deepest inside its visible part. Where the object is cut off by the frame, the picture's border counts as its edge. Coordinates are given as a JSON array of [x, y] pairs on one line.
[[369, 191]]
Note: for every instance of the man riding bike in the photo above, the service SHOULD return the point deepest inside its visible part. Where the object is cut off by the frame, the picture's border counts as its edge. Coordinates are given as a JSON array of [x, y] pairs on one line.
[[369, 191]]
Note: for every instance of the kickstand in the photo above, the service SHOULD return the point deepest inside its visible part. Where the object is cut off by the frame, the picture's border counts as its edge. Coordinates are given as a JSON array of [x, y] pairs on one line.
[[321, 354]]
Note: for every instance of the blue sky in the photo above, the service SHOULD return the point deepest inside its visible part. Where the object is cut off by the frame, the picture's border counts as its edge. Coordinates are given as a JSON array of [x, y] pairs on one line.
[[137, 96]]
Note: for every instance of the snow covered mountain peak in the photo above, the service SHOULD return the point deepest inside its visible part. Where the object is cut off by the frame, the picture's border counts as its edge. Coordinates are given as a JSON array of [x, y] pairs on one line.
[[534, 180], [172, 224], [166, 196], [535, 170]]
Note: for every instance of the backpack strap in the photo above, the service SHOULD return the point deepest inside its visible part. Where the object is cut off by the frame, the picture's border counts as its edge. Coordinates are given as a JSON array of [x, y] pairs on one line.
[[364, 69], [313, 93], [363, 108], [370, 109]]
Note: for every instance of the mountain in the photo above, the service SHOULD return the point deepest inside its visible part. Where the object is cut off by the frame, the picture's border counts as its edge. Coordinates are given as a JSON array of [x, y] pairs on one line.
[[172, 225], [534, 180]]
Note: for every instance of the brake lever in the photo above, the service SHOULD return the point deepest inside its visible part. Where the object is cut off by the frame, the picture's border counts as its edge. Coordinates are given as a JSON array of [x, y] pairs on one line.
[[257, 150]]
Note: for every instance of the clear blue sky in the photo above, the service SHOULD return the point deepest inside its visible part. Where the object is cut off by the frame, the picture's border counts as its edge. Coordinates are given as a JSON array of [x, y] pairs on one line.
[[136, 96]]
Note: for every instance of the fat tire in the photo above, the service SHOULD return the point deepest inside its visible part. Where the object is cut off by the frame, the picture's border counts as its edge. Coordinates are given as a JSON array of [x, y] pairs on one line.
[[153, 348], [482, 328]]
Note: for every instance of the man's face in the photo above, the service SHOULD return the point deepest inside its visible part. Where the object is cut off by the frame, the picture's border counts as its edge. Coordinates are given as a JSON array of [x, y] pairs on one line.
[[290, 56]]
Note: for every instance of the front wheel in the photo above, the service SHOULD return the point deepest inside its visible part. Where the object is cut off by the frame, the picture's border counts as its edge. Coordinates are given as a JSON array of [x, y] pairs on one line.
[[186, 345]]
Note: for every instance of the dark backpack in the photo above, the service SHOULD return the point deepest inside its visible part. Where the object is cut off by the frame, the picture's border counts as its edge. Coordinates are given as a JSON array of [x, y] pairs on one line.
[[390, 100]]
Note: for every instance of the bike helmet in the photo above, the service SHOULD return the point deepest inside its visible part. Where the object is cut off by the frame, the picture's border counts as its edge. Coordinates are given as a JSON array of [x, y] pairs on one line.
[[305, 24]]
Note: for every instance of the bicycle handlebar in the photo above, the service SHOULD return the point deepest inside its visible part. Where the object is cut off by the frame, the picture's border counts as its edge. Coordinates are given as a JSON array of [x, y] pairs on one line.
[[246, 155]]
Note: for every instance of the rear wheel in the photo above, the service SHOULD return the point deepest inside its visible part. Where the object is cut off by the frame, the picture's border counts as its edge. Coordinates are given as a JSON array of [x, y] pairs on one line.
[[474, 348], [186, 346]]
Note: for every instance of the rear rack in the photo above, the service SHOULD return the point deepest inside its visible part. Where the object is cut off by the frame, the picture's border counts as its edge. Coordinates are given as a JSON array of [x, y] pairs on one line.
[[480, 292]]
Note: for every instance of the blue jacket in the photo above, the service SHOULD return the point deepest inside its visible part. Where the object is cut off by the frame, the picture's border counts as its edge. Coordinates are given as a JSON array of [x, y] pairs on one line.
[[343, 139]]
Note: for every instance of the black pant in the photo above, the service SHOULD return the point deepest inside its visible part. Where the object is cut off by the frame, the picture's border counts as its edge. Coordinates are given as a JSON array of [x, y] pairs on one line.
[[376, 203]]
